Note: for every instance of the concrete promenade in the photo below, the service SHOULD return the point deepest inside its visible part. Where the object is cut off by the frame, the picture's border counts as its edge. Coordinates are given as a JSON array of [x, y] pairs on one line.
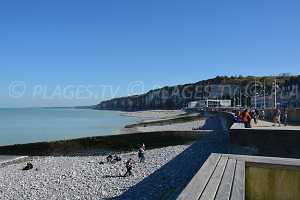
[[268, 125]]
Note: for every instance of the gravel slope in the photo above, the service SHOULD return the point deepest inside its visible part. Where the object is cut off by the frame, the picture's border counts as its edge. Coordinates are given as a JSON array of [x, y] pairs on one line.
[[154, 114], [79, 177], [186, 126]]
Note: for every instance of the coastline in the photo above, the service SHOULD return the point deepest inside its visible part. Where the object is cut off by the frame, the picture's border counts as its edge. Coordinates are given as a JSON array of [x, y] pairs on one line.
[[81, 175]]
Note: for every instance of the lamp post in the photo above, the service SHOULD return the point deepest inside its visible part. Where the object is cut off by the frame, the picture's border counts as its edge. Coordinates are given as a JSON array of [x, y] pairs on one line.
[[234, 101], [264, 94], [275, 100], [240, 97], [255, 96], [275, 93]]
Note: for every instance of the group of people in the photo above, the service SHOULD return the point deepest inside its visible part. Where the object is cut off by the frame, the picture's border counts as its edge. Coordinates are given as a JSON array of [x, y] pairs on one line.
[[115, 159], [277, 117], [112, 160], [243, 117], [141, 156], [246, 116]]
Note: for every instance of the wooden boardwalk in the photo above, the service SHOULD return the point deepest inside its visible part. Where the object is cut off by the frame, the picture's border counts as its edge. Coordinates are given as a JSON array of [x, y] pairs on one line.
[[222, 176]]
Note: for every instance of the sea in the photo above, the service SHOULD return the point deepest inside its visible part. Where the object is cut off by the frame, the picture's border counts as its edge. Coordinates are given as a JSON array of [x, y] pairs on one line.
[[25, 125]]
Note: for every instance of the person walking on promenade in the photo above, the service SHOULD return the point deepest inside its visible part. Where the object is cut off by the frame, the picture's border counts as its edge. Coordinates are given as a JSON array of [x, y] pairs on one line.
[[128, 167], [277, 117], [262, 114], [254, 116], [141, 153], [236, 117], [246, 118], [257, 114], [285, 116]]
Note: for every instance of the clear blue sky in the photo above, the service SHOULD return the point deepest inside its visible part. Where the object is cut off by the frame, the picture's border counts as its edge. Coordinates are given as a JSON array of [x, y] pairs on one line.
[[159, 42]]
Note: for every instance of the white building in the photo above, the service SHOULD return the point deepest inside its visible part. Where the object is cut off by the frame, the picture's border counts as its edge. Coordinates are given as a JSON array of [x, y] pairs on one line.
[[210, 103]]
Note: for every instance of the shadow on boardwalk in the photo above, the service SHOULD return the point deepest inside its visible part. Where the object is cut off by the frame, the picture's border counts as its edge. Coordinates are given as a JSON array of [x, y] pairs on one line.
[[178, 172]]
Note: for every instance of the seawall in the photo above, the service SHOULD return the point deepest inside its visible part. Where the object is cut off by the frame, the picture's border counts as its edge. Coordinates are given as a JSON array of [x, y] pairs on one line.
[[112, 142]]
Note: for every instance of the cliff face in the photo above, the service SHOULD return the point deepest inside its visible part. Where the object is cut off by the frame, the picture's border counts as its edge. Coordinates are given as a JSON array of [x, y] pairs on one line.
[[165, 98], [177, 97]]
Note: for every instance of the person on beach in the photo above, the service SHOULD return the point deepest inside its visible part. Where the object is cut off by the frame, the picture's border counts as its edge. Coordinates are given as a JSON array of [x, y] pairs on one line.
[[246, 118], [285, 116], [117, 158], [277, 117], [128, 167], [141, 153], [109, 158], [28, 167]]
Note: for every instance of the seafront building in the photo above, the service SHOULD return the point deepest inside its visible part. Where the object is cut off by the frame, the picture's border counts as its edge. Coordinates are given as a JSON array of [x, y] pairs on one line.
[[262, 101], [210, 103], [289, 95]]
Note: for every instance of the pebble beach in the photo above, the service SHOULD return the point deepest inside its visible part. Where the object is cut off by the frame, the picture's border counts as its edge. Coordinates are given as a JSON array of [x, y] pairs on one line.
[[91, 177], [83, 177]]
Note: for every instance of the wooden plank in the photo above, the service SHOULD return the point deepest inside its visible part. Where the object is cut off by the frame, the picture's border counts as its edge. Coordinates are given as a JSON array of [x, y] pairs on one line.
[[224, 190], [211, 189], [196, 186], [265, 160], [238, 186]]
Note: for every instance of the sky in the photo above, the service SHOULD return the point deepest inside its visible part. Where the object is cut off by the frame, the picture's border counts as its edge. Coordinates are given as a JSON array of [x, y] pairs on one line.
[[72, 52]]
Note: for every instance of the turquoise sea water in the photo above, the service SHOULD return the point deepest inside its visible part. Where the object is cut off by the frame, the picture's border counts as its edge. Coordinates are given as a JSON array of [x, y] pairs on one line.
[[23, 125]]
